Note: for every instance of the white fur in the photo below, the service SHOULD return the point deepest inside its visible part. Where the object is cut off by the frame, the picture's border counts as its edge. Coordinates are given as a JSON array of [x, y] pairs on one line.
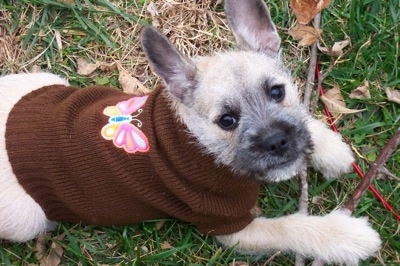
[[334, 238], [21, 217], [332, 157]]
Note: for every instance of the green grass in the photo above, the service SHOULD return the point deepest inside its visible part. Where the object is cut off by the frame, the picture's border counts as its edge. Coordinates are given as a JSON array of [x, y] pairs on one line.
[[94, 30]]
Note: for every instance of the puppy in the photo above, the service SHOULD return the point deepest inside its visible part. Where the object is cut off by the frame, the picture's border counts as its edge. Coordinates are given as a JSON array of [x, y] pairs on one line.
[[194, 149]]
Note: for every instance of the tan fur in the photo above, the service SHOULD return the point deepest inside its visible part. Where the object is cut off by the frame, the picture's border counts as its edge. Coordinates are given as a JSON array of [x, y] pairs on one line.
[[335, 237], [241, 84], [21, 217]]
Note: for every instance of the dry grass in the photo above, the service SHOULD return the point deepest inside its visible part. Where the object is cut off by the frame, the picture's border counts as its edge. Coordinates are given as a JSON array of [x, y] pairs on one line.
[[197, 28], [36, 36]]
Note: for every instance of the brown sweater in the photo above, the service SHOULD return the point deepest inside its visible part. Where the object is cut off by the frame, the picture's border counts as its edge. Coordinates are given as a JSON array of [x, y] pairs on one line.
[[100, 156]]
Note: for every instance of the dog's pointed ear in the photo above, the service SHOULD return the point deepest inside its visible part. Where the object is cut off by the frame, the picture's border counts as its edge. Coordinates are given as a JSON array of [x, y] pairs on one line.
[[252, 26], [177, 71]]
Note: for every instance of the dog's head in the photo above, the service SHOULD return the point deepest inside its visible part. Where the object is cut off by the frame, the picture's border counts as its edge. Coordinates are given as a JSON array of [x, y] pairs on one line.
[[241, 105]]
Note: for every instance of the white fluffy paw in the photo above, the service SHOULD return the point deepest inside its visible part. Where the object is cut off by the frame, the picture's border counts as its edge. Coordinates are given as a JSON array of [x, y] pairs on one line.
[[348, 239], [332, 157]]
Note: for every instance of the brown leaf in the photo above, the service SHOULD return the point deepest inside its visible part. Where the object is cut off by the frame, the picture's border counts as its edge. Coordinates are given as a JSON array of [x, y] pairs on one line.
[[335, 95], [361, 92], [160, 224], [130, 84], [334, 101], [40, 246], [337, 48], [306, 34], [306, 10], [393, 95], [86, 69], [317, 200], [53, 258], [145, 249], [165, 245]]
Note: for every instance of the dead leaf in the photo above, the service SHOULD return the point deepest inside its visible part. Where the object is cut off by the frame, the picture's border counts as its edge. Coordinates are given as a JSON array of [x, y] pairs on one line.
[[393, 95], [160, 224], [130, 84], [306, 34], [145, 249], [334, 101], [317, 200], [337, 48], [40, 246], [107, 66], [86, 69], [53, 258], [362, 92], [335, 95], [165, 245], [306, 10]]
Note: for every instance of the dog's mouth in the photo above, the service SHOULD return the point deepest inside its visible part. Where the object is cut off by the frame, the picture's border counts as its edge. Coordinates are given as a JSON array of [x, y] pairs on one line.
[[275, 158]]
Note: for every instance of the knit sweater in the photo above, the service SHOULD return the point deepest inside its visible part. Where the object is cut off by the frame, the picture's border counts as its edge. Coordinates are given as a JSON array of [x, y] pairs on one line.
[[100, 156]]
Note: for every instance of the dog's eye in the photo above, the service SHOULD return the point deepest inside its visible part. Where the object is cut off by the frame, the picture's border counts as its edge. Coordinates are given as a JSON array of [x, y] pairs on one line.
[[277, 93], [228, 122]]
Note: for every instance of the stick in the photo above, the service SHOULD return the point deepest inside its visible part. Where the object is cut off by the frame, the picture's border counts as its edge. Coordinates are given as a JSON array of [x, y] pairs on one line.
[[382, 158], [311, 68], [355, 165], [303, 199], [303, 204]]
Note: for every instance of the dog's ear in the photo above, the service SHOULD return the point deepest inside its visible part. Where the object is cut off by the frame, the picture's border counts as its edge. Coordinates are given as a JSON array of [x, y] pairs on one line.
[[252, 26], [177, 71]]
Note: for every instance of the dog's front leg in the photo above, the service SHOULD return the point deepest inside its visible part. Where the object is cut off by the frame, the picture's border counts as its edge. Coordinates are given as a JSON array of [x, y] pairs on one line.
[[332, 157], [334, 238]]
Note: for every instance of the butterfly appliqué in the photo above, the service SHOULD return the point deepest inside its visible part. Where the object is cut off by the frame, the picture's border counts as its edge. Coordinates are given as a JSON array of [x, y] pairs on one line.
[[120, 130]]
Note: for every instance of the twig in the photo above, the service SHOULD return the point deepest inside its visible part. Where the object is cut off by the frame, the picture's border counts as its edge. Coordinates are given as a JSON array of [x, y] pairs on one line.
[[303, 205], [311, 68], [356, 168], [384, 171], [303, 198], [382, 158]]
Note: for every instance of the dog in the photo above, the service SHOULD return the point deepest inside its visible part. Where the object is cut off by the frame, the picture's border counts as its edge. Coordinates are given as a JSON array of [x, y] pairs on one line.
[[196, 148]]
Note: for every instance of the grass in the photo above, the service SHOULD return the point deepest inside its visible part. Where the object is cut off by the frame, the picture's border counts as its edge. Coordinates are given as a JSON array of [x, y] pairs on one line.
[[107, 31]]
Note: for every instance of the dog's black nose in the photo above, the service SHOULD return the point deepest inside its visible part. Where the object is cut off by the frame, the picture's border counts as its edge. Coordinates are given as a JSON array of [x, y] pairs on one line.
[[277, 144]]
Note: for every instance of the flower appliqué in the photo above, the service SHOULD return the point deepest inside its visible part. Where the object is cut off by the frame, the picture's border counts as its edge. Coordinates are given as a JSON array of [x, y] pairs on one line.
[[121, 131]]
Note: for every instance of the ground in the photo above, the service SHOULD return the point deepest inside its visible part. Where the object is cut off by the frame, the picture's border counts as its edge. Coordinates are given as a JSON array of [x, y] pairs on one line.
[[50, 35]]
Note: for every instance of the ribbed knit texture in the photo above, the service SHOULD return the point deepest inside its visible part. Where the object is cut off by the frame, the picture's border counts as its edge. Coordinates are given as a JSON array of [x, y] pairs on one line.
[[60, 158]]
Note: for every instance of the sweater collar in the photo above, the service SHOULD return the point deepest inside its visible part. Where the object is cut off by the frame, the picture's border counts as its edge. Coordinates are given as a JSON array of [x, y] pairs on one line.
[[190, 168]]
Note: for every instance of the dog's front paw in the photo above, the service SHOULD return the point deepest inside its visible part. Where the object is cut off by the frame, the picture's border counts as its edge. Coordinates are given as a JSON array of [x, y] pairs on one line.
[[348, 239], [332, 157]]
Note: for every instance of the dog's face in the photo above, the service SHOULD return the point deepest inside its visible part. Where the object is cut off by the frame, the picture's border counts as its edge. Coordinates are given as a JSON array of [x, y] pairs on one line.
[[241, 105]]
